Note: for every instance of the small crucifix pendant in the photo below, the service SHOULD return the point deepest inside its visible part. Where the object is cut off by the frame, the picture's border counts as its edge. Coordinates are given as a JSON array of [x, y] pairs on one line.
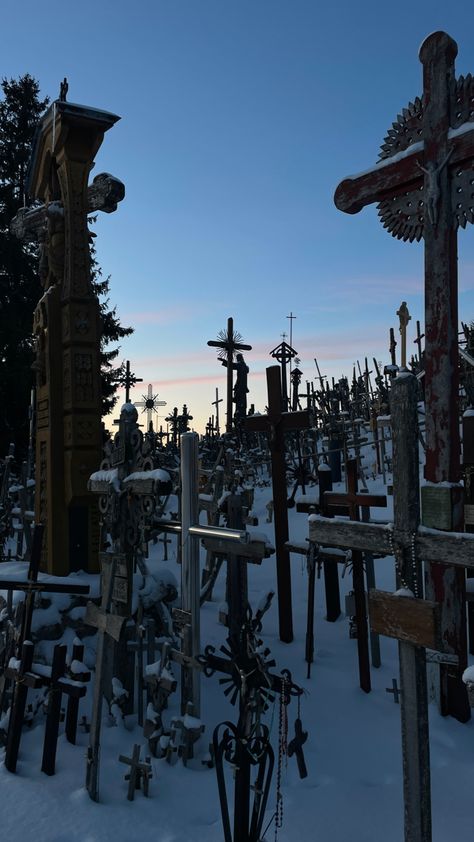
[[295, 747]]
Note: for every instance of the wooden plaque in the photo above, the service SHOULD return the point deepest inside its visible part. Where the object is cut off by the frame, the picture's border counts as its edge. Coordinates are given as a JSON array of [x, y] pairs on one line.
[[415, 621], [469, 514], [436, 507]]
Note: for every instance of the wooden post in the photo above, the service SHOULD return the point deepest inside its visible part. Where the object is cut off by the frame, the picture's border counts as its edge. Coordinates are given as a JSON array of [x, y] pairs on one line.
[[190, 570], [414, 694], [275, 423]]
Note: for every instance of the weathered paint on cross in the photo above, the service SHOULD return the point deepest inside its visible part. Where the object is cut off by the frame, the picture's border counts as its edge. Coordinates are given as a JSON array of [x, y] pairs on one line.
[[276, 423], [435, 163]]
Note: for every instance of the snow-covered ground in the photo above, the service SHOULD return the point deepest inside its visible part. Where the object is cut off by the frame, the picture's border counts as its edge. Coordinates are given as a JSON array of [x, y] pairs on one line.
[[354, 784]]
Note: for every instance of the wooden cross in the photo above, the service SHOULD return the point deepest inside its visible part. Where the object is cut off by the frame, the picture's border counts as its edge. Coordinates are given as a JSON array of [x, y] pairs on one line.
[[414, 622], [275, 424], [30, 586], [149, 404], [417, 341], [103, 194], [350, 501], [395, 690], [58, 683], [295, 747], [24, 679], [129, 379], [229, 343], [216, 403], [139, 771], [423, 189], [76, 672], [404, 317], [108, 625]]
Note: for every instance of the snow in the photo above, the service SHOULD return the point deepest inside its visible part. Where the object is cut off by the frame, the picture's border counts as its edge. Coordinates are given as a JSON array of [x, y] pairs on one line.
[[354, 784], [158, 474], [468, 675]]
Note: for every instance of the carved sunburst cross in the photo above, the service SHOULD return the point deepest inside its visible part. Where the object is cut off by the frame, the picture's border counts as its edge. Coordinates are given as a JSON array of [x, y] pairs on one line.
[[149, 405], [229, 342], [424, 187]]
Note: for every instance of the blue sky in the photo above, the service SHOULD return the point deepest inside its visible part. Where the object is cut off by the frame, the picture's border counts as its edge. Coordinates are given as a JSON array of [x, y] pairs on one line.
[[238, 121]]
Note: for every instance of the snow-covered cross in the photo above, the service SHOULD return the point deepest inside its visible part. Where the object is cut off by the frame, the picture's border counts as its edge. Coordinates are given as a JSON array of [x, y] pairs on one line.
[[423, 189], [414, 622]]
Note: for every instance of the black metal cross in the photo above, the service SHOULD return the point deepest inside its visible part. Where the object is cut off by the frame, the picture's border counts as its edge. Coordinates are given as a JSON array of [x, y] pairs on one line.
[[129, 379], [295, 747], [395, 690], [229, 343]]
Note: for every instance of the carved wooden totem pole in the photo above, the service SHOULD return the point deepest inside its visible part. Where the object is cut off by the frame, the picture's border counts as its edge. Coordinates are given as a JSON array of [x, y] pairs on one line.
[[67, 330]]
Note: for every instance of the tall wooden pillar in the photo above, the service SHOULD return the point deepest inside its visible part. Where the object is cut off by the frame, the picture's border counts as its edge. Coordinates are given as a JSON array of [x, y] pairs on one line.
[[67, 329]]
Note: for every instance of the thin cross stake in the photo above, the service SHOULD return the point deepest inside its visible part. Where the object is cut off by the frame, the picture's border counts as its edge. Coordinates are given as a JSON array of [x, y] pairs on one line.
[[31, 586], [216, 403], [276, 423], [230, 345], [437, 164], [352, 500], [110, 624]]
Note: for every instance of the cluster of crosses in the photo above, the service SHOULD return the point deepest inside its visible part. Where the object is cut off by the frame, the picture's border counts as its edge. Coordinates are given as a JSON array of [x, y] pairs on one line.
[[421, 184]]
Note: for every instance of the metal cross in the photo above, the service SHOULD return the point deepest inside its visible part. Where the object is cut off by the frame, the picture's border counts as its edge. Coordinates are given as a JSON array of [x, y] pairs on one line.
[[149, 404], [129, 379], [229, 342]]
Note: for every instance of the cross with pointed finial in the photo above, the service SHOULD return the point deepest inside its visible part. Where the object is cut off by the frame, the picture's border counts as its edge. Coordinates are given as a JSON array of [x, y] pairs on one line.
[[128, 379]]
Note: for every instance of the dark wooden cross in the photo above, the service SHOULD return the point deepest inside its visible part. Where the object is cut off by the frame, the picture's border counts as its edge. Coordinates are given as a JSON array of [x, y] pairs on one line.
[[350, 503], [284, 353], [413, 622], [58, 683], [275, 424], [295, 747], [108, 625], [31, 587], [216, 403], [229, 342], [423, 189], [24, 679], [395, 690], [129, 379], [139, 771], [417, 341]]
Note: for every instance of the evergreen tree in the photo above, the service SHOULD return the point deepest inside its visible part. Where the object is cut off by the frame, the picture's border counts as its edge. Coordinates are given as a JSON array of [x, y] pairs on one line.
[[20, 288]]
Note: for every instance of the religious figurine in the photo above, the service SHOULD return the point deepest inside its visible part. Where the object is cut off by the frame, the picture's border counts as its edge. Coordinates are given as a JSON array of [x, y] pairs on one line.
[[240, 386], [432, 188]]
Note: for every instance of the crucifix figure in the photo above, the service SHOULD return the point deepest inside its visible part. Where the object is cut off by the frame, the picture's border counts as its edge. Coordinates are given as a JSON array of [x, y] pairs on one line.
[[149, 404], [422, 186], [229, 343]]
